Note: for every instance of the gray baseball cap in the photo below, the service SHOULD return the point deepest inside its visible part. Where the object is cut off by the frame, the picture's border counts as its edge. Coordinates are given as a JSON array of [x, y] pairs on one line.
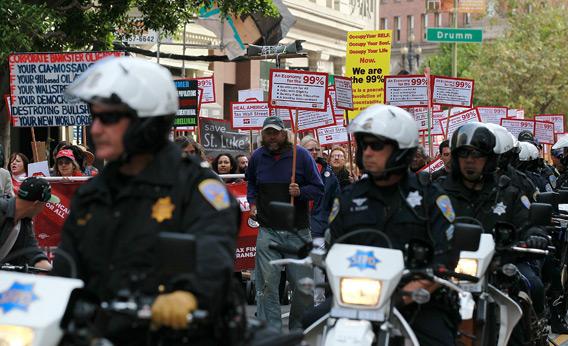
[[273, 122]]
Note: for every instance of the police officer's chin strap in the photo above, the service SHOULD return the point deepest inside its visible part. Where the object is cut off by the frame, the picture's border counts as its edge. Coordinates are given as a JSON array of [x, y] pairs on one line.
[[386, 173]]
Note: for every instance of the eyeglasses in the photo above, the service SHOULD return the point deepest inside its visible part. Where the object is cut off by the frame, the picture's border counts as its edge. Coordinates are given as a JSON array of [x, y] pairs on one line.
[[375, 145], [338, 156], [109, 118], [475, 154]]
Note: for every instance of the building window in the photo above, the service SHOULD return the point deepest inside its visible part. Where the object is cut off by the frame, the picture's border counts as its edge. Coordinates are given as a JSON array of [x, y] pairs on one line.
[[438, 19], [467, 18], [397, 27], [424, 25], [409, 25], [384, 24], [329, 3]]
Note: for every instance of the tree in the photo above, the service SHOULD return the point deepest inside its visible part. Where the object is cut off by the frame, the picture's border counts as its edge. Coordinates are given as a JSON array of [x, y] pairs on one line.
[[441, 63]]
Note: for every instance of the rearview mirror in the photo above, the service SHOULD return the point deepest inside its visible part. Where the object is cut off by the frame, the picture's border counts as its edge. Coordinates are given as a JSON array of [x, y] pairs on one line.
[[540, 214], [286, 214], [466, 237]]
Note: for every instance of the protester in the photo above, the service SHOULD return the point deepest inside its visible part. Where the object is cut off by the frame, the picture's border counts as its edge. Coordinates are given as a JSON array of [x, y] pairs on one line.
[[319, 217], [87, 167], [446, 157], [419, 160], [18, 244], [66, 165], [225, 164], [189, 146], [6, 186], [18, 165], [242, 163], [338, 158], [269, 179], [147, 188]]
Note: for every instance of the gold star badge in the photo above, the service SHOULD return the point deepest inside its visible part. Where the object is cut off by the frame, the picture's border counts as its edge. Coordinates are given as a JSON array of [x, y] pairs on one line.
[[163, 209]]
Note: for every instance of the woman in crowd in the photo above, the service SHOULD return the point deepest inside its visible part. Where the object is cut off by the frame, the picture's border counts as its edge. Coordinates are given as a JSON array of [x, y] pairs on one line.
[[19, 166], [225, 164], [66, 165], [337, 160], [189, 146], [88, 160]]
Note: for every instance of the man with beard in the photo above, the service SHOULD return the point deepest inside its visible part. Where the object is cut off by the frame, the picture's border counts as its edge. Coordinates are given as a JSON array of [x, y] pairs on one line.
[[269, 179]]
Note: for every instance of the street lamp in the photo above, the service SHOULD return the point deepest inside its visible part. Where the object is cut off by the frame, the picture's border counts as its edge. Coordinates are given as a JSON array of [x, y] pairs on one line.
[[410, 53]]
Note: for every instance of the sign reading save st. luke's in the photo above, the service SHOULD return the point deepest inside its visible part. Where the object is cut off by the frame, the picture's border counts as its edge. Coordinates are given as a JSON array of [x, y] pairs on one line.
[[454, 35]]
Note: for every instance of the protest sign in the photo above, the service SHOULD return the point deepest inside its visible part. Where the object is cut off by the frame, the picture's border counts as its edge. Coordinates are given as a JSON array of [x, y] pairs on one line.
[[248, 115], [37, 85], [433, 166], [336, 110], [206, 86], [188, 105], [557, 119], [420, 115], [441, 114], [515, 126], [520, 113], [298, 90], [309, 120], [248, 230], [344, 92], [544, 132], [251, 95], [459, 119], [332, 135], [492, 115], [367, 62], [448, 91], [438, 126], [406, 91], [38, 169], [217, 136]]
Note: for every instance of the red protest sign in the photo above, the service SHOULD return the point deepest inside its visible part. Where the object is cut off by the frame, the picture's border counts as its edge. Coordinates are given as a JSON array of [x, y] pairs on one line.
[[309, 120], [206, 87], [433, 166], [336, 110], [448, 91], [406, 91], [336, 134], [516, 126], [420, 115], [344, 91], [249, 115], [492, 115], [246, 241], [438, 126], [455, 121], [298, 90], [557, 119], [544, 132]]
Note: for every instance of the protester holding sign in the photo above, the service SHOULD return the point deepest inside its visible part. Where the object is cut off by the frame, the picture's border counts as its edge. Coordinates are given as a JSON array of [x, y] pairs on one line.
[[269, 179], [66, 165]]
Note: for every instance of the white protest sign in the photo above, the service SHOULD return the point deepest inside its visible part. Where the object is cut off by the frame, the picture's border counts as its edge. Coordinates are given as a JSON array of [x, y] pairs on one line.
[[284, 114], [449, 91], [420, 115], [206, 86], [520, 113], [298, 90], [332, 135], [248, 115], [38, 169], [251, 94], [492, 115], [433, 166], [406, 91], [440, 114], [438, 128], [459, 119], [37, 85], [515, 126], [309, 120], [544, 132], [456, 110], [512, 113], [344, 91], [556, 119], [333, 95], [339, 121]]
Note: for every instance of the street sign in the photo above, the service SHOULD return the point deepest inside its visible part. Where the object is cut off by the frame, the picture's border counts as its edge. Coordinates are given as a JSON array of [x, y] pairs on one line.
[[455, 35]]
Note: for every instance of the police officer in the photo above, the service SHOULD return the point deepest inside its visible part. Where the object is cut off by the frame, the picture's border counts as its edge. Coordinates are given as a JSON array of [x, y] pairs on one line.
[[562, 146], [146, 188], [528, 163], [394, 200], [543, 168]]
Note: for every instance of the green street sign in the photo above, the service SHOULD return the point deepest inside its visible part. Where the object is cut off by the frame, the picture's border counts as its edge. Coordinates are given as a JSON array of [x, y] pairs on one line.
[[454, 35]]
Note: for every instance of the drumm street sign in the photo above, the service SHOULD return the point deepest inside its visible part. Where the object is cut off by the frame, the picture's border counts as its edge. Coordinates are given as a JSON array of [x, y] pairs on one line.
[[454, 35]]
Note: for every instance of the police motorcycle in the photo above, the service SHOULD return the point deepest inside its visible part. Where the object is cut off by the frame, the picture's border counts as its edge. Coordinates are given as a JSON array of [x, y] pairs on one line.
[[366, 283], [41, 310]]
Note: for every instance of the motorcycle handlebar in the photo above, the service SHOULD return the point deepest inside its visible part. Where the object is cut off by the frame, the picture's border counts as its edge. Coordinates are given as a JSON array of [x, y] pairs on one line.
[[145, 312], [456, 275], [529, 250]]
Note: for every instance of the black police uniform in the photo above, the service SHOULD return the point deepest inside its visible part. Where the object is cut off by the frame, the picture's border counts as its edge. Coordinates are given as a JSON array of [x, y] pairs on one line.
[[521, 181], [410, 210], [112, 230]]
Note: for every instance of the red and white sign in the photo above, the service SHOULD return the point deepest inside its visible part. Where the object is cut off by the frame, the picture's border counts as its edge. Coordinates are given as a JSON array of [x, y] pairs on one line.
[[344, 92], [438, 128], [248, 115], [449, 91], [308, 120], [492, 115], [298, 90], [440, 114], [515, 126], [206, 87], [420, 115], [557, 119], [520, 113], [332, 134], [544, 132], [433, 166], [459, 119], [406, 91], [336, 110]]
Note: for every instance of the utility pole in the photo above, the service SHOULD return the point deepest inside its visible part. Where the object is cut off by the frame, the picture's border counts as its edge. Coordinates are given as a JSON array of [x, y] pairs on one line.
[[455, 47]]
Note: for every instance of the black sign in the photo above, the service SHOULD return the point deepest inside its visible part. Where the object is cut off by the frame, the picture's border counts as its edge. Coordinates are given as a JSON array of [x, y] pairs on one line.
[[188, 105], [217, 136]]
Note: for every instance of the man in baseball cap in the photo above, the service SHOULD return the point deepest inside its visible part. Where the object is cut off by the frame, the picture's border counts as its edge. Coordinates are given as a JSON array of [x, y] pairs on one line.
[[273, 122], [18, 244]]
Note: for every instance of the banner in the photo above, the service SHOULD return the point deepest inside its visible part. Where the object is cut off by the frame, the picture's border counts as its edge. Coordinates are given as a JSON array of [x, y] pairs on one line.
[[367, 62], [249, 115], [217, 137], [298, 90], [344, 91], [309, 120], [206, 86], [188, 105], [557, 119], [406, 91], [459, 119], [37, 85], [246, 241], [448, 91], [492, 115], [544, 132], [515, 126]]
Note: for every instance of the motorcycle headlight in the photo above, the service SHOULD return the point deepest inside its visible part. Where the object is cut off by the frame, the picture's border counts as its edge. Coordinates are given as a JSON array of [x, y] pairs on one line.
[[467, 266], [360, 291], [16, 336]]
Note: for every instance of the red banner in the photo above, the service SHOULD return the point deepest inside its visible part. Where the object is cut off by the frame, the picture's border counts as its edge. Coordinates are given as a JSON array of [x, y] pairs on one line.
[[246, 242]]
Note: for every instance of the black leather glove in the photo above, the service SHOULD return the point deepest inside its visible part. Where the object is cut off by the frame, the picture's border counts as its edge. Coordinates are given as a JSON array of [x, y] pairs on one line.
[[537, 242]]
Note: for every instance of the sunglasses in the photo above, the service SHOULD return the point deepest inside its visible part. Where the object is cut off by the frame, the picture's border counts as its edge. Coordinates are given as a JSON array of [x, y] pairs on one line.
[[375, 145], [476, 154], [109, 118]]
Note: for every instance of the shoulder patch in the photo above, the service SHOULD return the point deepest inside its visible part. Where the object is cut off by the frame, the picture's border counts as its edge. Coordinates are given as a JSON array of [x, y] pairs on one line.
[[215, 193], [334, 210], [525, 201], [443, 202]]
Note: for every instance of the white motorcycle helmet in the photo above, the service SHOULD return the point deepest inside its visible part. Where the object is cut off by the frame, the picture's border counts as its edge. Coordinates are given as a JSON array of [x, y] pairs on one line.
[[145, 89], [529, 152], [503, 139], [561, 143], [392, 124]]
